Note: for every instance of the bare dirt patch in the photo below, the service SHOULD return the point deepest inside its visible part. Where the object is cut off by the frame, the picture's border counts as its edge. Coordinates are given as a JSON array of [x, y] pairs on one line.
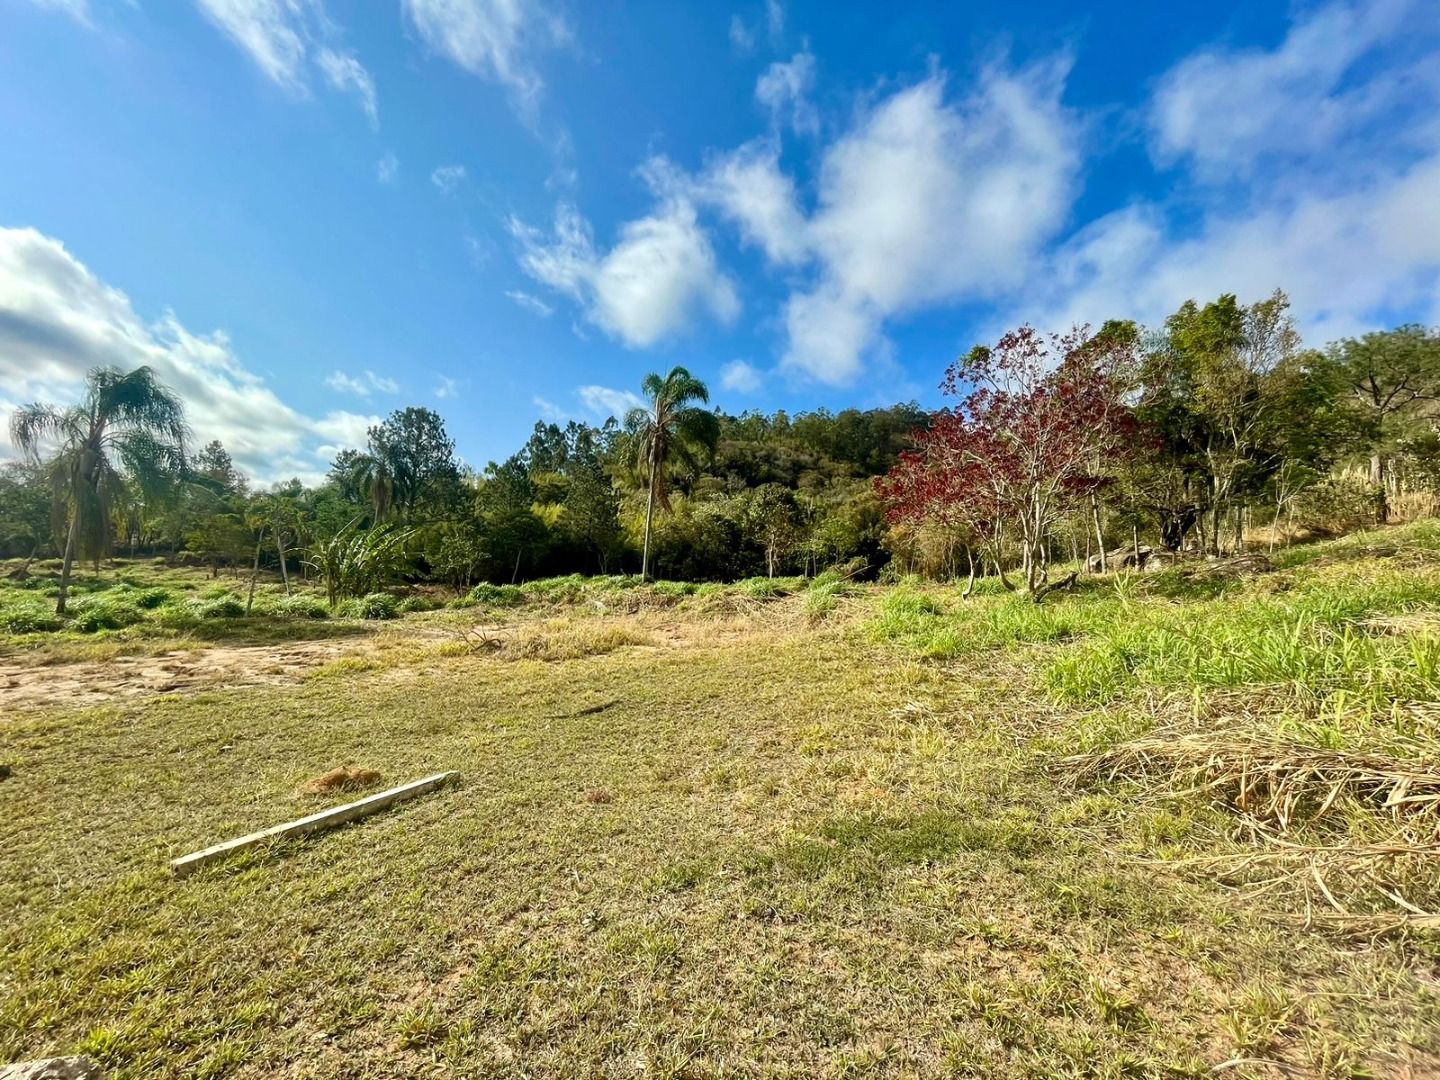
[[27, 686]]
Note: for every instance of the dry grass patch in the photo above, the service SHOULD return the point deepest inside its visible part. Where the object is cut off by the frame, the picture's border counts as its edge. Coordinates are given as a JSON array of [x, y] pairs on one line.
[[342, 778]]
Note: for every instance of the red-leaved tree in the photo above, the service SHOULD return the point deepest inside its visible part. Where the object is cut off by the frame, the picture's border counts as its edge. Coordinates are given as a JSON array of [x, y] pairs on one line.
[[1040, 422]]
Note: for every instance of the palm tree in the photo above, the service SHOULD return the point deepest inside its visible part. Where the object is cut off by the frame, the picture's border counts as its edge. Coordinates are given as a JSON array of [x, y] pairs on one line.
[[131, 422], [670, 426]]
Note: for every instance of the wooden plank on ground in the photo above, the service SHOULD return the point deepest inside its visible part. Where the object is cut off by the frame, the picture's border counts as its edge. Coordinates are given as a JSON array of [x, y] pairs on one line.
[[325, 819]]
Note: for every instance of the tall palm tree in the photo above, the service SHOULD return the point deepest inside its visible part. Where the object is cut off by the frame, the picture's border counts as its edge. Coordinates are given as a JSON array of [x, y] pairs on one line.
[[671, 426], [131, 422]]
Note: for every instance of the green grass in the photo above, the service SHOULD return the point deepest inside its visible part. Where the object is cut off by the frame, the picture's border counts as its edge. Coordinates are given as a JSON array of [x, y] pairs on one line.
[[717, 832]]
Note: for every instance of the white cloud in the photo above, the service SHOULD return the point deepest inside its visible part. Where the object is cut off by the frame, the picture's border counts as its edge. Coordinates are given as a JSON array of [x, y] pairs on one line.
[[388, 168], [448, 177], [1346, 260], [749, 188], [79, 10], [530, 303], [490, 38], [282, 35], [1221, 110], [742, 39], [655, 283], [362, 385], [1351, 232], [548, 409], [347, 74], [58, 320], [740, 376], [785, 89], [774, 19], [605, 402], [447, 387], [924, 201], [271, 31]]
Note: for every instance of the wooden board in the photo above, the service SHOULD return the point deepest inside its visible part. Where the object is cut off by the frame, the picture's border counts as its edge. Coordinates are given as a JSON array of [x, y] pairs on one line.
[[325, 819]]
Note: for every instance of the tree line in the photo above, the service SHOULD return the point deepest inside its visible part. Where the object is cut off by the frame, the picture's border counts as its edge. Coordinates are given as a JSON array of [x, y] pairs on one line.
[[1061, 448]]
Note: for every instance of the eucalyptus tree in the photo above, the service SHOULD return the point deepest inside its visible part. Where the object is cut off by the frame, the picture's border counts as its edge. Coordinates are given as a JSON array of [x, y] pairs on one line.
[[671, 427], [125, 424]]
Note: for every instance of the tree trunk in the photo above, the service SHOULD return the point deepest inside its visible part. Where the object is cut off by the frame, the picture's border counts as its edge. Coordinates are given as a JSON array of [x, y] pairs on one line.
[[71, 537], [515, 574], [255, 571], [1099, 532], [1378, 482], [280, 550], [1135, 539], [649, 519], [970, 581]]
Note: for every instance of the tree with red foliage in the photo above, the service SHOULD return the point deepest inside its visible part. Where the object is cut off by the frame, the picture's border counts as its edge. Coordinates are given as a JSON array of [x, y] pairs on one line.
[[1039, 418]]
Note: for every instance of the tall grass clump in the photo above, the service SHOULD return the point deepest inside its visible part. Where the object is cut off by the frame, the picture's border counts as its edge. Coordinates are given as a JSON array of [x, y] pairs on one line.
[[1314, 643]]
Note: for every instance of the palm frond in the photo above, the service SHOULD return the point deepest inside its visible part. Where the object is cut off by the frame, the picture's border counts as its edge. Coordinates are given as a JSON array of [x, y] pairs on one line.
[[31, 425]]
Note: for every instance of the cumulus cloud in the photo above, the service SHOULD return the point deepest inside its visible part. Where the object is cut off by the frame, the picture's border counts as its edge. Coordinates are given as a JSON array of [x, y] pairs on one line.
[[1352, 235], [658, 279], [58, 320], [532, 304], [283, 37], [1223, 110], [927, 199], [749, 188], [362, 385], [785, 90], [605, 402], [740, 376], [494, 39], [448, 177]]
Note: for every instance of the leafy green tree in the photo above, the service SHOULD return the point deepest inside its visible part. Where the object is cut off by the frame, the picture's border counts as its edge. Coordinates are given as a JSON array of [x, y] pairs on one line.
[[129, 422], [24, 509], [1393, 377], [671, 428], [415, 458]]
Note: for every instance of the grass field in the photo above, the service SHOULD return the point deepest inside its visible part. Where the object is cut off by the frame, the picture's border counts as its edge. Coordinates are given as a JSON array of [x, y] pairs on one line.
[[758, 831]]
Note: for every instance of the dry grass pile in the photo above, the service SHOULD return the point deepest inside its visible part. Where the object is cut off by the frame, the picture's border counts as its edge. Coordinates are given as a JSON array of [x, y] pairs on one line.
[[343, 778], [1354, 834]]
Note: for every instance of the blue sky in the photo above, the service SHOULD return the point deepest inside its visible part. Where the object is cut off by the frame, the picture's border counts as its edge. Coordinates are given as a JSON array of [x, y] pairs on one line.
[[306, 213]]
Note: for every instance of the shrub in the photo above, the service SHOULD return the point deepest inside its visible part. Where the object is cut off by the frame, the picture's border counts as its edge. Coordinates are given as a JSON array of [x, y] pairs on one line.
[[497, 595], [29, 620], [228, 606], [376, 605], [91, 614], [152, 598], [418, 603], [301, 606], [675, 588]]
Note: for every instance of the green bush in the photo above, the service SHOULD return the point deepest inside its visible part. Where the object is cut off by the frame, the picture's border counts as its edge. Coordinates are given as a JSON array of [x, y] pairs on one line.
[[228, 606], [301, 606], [91, 614], [375, 605], [150, 599], [29, 620], [418, 603], [497, 595]]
